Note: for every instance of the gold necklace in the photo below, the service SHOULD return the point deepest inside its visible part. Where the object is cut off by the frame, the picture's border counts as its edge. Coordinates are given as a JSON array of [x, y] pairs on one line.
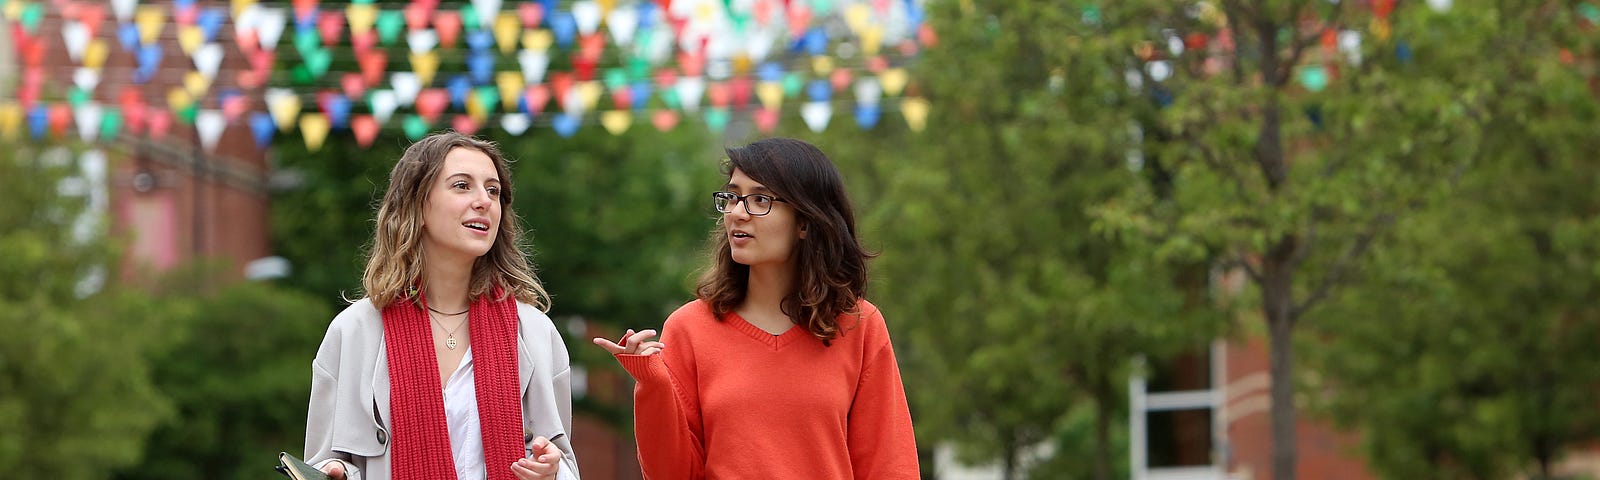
[[450, 335]]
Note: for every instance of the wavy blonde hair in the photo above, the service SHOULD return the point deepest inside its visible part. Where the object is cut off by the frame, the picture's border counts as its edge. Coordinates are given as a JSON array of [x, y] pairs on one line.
[[394, 261]]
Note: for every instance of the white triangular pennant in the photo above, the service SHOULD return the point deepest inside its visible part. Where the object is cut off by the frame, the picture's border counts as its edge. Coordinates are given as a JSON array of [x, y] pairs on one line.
[[210, 124], [422, 41], [383, 103], [487, 11], [573, 103], [1350, 45], [534, 64], [88, 118], [246, 20], [86, 78], [406, 86], [760, 44], [269, 27], [587, 15], [868, 91], [659, 48], [689, 90], [816, 115], [514, 123], [124, 9], [622, 22], [76, 35], [207, 58]]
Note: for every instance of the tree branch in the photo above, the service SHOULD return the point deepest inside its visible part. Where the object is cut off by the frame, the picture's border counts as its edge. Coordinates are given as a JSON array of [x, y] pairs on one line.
[[1236, 15], [1301, 44], [1303, 250], [1336, 271], [1255, 276], [1209, 156]]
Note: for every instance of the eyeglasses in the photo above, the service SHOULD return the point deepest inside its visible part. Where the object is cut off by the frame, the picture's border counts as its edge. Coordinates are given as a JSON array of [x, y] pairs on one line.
[[756, 204]]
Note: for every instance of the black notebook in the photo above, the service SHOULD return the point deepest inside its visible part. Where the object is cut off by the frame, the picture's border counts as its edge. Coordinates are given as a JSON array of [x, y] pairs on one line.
[[293, 468]]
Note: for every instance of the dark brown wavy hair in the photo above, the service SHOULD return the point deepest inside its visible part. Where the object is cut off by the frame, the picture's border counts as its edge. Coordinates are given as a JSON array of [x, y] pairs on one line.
[[394, 261], [831, 264]]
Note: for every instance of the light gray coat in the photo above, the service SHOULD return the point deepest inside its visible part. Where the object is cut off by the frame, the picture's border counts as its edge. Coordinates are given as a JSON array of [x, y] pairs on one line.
[[349, 415]]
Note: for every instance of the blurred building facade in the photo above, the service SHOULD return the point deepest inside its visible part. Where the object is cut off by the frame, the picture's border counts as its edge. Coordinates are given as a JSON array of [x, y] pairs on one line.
[[170, 198]]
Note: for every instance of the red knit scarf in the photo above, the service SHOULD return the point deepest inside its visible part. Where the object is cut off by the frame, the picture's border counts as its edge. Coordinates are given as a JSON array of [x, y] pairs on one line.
[[420, 446]]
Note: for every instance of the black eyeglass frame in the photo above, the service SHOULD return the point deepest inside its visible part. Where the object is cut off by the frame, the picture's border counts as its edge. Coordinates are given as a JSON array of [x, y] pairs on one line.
[[728, 200]]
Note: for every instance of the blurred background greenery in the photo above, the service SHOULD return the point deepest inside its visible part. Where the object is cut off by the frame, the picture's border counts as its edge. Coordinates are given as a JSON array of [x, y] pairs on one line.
[[1405, 220]]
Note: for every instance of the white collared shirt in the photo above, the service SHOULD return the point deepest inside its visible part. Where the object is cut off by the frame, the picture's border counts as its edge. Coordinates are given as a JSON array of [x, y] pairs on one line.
[[461, 418]]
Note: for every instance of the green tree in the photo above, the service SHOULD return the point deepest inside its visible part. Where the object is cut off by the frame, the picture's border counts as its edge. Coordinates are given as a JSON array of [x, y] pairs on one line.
[[1285, 135], [76, 394], [1494, 327], [1008, 306], [238, 378], [322, 217], [1487, 296]]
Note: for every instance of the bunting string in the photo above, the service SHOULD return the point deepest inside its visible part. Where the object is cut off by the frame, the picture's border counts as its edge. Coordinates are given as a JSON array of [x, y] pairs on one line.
[[315, 68]]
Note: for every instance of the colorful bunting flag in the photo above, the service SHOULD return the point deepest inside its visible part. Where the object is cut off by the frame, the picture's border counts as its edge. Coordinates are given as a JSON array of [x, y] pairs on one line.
[[700, 58]]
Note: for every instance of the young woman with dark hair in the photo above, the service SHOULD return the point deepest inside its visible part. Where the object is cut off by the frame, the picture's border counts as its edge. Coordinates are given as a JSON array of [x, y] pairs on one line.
[[780, 369]]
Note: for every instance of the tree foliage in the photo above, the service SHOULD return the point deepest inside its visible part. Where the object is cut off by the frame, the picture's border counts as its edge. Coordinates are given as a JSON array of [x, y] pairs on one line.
[[1485, 297], [76, 394], [238, 378], [1009, 308], [1088, 168], [1286, 136]]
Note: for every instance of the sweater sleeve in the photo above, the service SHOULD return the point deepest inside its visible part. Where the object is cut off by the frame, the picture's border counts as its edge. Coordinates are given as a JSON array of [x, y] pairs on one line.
[[882, 443], [666, 411]]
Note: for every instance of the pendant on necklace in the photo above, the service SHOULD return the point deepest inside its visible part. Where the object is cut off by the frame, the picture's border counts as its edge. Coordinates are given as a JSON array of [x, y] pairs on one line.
[[450, 342]]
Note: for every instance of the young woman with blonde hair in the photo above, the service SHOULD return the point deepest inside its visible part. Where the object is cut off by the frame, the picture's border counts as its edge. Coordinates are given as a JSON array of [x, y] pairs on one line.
[[449, 368]]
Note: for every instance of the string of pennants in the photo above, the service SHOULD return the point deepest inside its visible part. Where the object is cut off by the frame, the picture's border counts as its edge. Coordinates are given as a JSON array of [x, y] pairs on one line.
[[319, 68]]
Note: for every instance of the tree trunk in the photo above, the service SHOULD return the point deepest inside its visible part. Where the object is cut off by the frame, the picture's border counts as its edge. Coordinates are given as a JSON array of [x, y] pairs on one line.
[[1277, 304], [1102, 435], [1011, 449], [1011, 465], [1283, 410], [1277, 282], [1543, 453]]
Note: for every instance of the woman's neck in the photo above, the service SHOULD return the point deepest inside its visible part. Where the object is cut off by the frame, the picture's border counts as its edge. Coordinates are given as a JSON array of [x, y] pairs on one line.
[[768, 285], [445, 285]]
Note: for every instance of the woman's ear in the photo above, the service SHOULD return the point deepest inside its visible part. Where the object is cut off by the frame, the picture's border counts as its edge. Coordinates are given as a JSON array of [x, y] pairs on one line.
[[802, 231]]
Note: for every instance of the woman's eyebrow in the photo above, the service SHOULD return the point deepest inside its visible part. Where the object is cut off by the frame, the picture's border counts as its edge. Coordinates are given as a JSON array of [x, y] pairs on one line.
[[469, 176]]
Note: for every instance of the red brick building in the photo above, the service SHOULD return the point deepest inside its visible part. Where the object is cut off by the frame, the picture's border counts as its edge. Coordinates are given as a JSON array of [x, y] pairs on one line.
[[1206, 417], [173, 200]]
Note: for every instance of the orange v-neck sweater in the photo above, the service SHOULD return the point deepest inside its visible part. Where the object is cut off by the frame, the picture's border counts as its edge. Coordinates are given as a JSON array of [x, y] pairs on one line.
[[727, 400]]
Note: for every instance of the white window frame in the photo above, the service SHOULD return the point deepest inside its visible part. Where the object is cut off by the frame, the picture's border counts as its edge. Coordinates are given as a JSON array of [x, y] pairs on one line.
[[1141, 403]]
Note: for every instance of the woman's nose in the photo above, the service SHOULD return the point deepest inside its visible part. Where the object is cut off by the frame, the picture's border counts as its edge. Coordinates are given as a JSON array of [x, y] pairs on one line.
[[739, 209]]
